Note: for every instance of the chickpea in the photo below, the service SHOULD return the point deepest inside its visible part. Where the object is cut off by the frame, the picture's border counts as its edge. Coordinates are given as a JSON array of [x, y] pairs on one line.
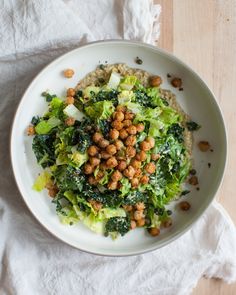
[[151, 141], [128, 208], [31, 130], [204, 146], [184, 205], [140, 127], [130, 152], [132, 130], [92, 150], [136, 164], [70, 100], [114, 134], [155, 81], [141, 156], [121, 108], [119, 145], [138, 173], [116, 176], [52, 192], [112, 185], [155, 157], [176, 82], [119, 116], [127, 123], [68, 73], [111, 149], [92, 180], [145, 146], [138, 215], [167, 223], [70, 92], [150, 168], [111, 162], [123, 134], [70, 121], [134, 182], [88, 169], [129, 116], [141, 222], [122, 165], [97, 137], [103, 166], [193, 180], [132, 224], [118, 125], [140, 206], [94, 161], [154, 231], [131, 140], [144, 179], [129, 172], [105, 155], [103, 143], [96, 205], [99, 175]]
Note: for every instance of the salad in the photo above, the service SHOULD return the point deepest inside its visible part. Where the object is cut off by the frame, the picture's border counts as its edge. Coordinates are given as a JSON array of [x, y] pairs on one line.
[[115, 152]]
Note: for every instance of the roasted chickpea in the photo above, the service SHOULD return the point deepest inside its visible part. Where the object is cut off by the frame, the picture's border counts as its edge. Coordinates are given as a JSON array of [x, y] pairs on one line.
[[114, 134], [128, 208], [88, 169], [132, 224], [130, 151], [121, 108], [155, 81], [184, 205], [138, 215], [204, 146], [94, 161], [111, 149], [105, 155], [141, 222], [138, 173], [131, 140], [155, 157], [129, 172], [140, 206], [70, 100], [136, 164], [123, 134], [134, 182], [122, 165], [119, 145], [31, 130], [70, 121], [103, 143], [144, 179], [103, 166], [92, 150], [150, 167], [129, 116], [127, 123], [119, 116], [176, 82], [92, 180], [154, 231], [140, 127], [52, 192], [193, 180], [151, 141], [112, 185], [141, 156], [145, 146], [167, 223], [97, 137], [96, 205], [68, 73], [111, 162], [70, 92], [118, 125], [132, 130], [116, 175], [99, 175]]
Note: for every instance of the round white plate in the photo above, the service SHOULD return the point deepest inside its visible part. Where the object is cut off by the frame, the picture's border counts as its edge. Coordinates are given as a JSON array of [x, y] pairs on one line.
[[196, 99]]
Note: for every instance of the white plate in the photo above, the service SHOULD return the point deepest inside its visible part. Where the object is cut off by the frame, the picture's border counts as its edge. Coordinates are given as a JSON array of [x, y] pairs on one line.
[[196, 99]]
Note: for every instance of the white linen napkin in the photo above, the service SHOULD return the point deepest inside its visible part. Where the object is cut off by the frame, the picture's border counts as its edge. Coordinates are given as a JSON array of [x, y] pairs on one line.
[[33, 33]]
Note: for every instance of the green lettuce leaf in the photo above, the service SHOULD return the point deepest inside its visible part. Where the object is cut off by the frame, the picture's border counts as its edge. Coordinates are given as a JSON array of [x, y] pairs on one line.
[[100, 110], [42, 180]]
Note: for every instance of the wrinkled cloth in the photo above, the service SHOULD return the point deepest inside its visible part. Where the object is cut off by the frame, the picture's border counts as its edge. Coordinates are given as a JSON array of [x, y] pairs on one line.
[[32, 34]]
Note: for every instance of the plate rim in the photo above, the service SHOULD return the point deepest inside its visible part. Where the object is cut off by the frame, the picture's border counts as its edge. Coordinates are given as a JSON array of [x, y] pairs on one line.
[[177, 60]]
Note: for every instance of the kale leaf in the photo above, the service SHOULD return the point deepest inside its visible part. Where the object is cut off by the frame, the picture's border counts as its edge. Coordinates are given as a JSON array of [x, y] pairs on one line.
[[69, 178], [134, 197], [177, 131], [192, 126], [119, 225]]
